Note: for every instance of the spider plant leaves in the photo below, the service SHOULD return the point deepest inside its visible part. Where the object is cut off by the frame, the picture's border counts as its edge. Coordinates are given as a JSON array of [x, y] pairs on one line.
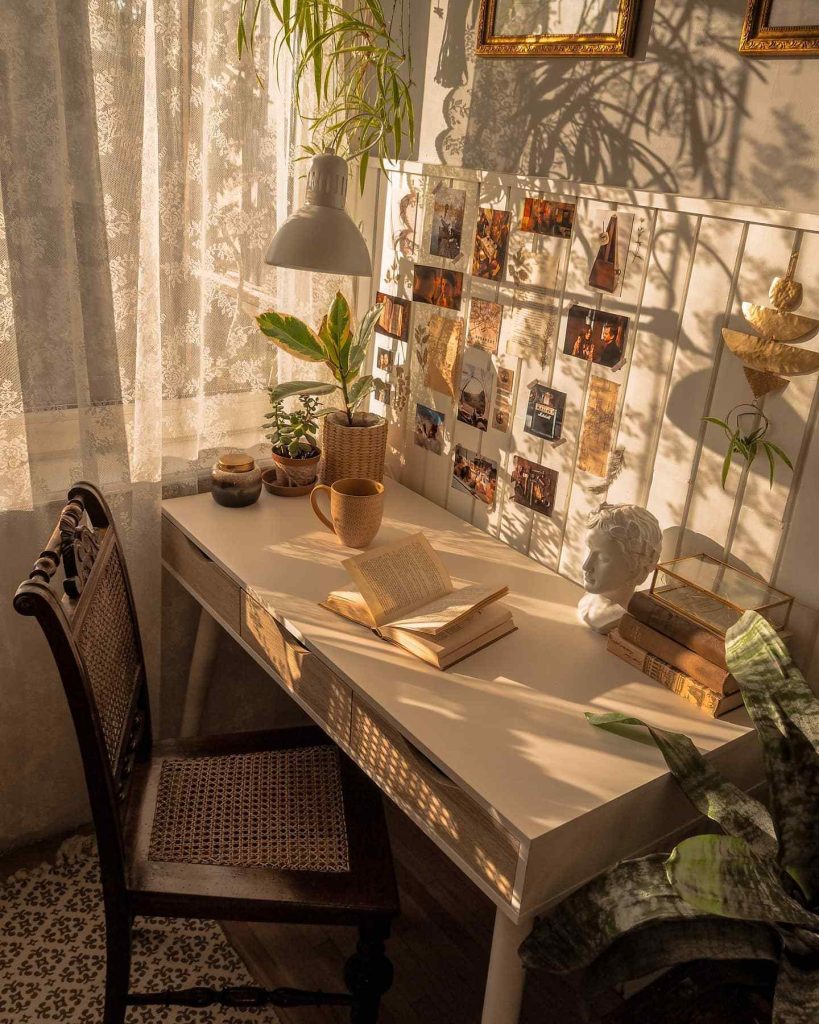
[[292, 335], [299, 387], [785, 712], [572, 934], [712, 794], [721, 875]]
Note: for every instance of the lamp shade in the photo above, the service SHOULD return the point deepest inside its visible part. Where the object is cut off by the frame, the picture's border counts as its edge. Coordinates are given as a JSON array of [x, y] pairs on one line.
[[321, 235]]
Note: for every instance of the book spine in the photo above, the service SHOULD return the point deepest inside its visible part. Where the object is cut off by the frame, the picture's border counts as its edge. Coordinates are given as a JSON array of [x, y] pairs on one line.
[[709, 646], [694, 665], [661, 672]]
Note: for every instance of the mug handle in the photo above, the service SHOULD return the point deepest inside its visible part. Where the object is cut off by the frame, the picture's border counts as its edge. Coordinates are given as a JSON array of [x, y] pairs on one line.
[[317, 510]]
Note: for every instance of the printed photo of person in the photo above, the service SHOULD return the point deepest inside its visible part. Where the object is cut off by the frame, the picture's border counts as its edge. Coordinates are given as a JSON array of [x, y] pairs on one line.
[[447, 223], [383, 360], [534, 486], [437, 287], [544, 217], [475, 474], [596, 336], [394, 319], [429, 429], [491, 242]]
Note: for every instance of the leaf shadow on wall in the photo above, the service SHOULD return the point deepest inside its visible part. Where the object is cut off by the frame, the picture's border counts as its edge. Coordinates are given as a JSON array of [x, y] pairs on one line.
[[670, 120]]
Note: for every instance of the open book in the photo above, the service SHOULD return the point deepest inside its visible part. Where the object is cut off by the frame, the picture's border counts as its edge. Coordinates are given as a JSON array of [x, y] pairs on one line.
[[404, 593]]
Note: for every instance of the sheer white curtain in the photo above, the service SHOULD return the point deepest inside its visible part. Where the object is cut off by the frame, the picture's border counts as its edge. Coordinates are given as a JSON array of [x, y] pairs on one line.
[[143, 168]]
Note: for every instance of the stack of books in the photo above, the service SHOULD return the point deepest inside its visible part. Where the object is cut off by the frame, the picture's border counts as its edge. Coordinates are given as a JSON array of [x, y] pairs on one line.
[[686, 658], [404, 594]]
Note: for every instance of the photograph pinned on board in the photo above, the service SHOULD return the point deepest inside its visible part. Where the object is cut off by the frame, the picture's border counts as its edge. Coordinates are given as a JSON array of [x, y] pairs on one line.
[[438, 349], [596, 336], [473, 397], [491, 242], [484, 324], [545, 217], [535, 261], [534, 486], [544, 412], [502, 405], [475, 474], [394, 319], [437, 287], [608, 267], [383, 360], [447, 222], [429, 429]]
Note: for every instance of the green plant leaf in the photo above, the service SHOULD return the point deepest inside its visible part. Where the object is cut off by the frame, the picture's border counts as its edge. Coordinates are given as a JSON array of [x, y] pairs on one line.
[[712, 794], [577, 930], [300, 387], [292, 335], [660, 945], [771, 464], [796, 996], [359, 390], [726, 463], [718, 423], [339, 319], [722, 875], [778, 451], [785, 712]]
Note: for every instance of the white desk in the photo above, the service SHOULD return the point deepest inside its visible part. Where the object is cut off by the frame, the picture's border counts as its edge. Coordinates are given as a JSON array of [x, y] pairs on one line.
[[493, 759]]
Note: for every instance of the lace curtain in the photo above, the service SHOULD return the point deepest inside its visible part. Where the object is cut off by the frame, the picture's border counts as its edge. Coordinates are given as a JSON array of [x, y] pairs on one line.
[[143, 168]]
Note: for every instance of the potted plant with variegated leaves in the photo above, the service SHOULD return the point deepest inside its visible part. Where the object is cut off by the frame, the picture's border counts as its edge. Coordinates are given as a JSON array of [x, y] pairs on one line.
[[354, 443], [750, 895]]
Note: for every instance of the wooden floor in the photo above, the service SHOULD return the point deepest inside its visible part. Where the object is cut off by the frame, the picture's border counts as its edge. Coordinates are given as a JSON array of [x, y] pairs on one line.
[[439, 947]]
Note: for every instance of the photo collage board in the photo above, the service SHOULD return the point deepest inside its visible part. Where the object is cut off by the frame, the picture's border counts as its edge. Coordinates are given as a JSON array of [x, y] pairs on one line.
[[506, 310]]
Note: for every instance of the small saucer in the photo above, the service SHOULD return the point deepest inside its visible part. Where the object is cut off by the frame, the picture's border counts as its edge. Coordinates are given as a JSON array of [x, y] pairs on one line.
[[283, 491]]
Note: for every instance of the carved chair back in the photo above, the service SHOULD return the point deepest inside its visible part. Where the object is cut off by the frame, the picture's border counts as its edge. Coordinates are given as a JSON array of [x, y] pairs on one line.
[[87, 614]]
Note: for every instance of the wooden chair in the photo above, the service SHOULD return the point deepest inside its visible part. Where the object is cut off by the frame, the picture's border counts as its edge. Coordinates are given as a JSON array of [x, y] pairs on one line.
[[270, 826]]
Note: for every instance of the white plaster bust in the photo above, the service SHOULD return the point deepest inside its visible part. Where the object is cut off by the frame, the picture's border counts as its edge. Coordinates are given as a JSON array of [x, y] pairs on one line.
[[624, 543]]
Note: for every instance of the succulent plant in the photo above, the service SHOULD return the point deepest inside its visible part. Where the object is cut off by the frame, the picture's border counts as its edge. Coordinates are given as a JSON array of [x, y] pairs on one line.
[[293, 434]]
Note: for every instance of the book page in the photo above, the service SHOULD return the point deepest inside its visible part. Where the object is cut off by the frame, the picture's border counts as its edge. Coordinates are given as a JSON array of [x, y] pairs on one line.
[[451, 609], [399, 578]]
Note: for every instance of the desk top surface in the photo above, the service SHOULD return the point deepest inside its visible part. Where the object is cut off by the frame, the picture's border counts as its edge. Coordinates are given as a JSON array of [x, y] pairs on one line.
[[507, 723]]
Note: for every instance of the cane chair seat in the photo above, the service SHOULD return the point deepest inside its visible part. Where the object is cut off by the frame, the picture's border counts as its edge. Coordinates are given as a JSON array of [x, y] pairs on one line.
[[257, 818]]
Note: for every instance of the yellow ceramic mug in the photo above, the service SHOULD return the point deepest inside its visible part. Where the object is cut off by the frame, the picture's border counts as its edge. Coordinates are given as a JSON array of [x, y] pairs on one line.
[[356, 507]]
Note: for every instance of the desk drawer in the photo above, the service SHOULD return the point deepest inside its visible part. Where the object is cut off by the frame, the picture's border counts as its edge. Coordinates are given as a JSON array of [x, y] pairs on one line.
[[201, 574], [419, 787], [327, 696]]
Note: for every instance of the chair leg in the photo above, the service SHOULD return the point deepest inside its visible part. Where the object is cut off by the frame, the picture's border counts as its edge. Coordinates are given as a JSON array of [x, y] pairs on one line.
[[117, 967], [368, 973]]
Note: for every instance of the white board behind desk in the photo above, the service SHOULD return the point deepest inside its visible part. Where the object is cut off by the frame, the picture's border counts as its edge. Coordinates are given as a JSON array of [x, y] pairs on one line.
[[507, 724]]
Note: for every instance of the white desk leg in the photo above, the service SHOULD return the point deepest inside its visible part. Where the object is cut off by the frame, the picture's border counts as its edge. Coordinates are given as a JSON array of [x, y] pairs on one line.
[[506, 974], [202, 661]]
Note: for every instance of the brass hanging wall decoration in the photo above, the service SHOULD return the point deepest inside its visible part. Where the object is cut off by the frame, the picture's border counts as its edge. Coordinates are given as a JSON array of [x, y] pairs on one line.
[[767, 360]]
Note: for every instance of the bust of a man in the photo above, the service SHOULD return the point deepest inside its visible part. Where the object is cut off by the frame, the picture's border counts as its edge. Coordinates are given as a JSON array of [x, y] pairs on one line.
[[624, 543]]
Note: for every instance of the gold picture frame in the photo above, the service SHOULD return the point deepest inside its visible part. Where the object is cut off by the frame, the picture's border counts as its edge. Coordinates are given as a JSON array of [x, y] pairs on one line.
[[760, 38], [619, 43]]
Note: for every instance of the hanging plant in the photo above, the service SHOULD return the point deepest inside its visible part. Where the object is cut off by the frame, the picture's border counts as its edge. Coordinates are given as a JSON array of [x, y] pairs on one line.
[[746, 438], [352, 73]]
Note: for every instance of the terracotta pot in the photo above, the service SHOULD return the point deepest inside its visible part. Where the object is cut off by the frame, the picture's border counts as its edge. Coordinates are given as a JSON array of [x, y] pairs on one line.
[[358, 451], [296, 472]]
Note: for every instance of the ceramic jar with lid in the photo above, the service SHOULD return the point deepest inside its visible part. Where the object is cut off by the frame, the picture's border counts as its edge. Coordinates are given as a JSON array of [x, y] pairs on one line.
[[237, 480]]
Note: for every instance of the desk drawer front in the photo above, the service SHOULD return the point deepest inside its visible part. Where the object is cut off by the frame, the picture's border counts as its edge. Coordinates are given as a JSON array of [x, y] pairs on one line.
[[329, 699], [417, 786], [201, 574]]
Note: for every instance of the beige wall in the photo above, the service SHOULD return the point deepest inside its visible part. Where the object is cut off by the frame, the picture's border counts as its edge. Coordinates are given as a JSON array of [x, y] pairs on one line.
[[688, 115]]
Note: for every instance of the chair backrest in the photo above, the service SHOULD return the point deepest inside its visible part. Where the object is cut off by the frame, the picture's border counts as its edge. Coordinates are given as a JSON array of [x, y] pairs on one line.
[[93, 633]]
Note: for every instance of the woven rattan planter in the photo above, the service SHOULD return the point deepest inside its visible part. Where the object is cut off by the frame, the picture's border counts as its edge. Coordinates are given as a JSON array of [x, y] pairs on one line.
[[356, 451]]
